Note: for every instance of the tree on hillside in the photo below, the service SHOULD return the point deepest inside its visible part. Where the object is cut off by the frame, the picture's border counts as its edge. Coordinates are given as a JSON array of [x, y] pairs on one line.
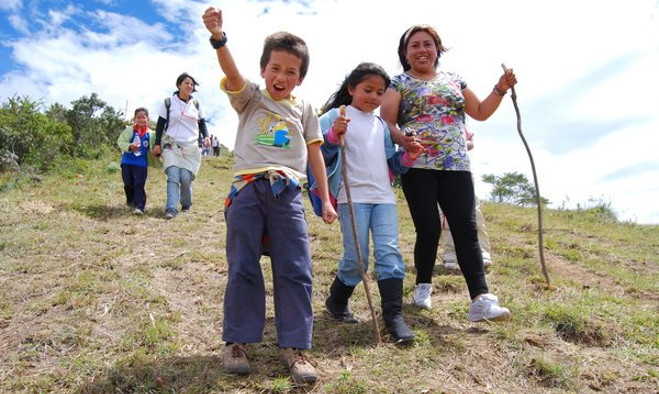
[[57, 112], [512, 188], [95, 125], [36, 138], [28, 136]]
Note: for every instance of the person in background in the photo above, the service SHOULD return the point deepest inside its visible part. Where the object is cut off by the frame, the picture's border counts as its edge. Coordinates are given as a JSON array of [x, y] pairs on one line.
[[135, 142], [446, 243], [206, 150], [278, 134], [215, 143], [179, 130], [427, 106]]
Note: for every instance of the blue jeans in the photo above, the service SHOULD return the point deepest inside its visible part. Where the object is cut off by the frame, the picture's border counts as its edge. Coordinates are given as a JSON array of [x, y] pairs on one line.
[[179, 186], [254, 211], [382, 221]]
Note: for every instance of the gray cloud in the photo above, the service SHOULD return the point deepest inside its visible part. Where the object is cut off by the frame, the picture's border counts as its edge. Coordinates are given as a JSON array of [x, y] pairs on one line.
[[638, 169]]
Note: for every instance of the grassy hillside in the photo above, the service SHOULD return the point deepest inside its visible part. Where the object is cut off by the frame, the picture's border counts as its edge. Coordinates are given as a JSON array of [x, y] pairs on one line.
[[96, 300]]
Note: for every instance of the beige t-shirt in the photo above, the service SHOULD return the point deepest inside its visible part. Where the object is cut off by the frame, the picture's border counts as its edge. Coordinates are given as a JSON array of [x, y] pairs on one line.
[[272, 135]]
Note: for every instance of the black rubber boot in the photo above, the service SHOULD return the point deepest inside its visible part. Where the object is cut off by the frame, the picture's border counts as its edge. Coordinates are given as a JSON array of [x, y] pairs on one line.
[[391, 292], [337, 302]]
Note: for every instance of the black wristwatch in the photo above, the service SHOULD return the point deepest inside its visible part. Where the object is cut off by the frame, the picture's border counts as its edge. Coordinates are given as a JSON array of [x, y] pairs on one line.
[[217, 44]]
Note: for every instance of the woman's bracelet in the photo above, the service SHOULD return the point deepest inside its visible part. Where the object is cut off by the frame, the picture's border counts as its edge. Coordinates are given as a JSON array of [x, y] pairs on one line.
[[496, 90]]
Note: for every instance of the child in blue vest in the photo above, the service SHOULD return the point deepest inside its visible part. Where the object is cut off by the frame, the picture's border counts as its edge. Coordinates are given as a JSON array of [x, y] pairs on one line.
[[135, 142], [278, 134]]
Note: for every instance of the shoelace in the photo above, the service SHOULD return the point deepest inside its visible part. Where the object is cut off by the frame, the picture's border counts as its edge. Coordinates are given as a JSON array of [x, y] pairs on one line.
[[302, 359], [424, 293], [238, 351]]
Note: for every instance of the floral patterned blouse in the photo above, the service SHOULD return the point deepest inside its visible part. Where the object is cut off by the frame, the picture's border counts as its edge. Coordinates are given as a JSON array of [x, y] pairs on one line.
[[434, 111]]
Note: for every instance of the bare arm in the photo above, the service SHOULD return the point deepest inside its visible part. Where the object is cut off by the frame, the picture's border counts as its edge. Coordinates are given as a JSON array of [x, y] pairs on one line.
[[481, 110], [320, 173], [389, 113], [213, 21]]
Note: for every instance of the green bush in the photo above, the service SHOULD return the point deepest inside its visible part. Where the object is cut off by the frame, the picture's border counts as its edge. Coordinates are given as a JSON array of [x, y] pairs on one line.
[[33, 137], [40, 141]]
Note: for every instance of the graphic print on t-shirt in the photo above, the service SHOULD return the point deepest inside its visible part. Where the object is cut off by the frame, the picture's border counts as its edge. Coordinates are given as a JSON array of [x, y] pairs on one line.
[[273, 131]]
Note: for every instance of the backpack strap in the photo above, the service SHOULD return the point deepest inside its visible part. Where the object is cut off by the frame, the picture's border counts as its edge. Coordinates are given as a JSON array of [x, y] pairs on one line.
[[168, 103]]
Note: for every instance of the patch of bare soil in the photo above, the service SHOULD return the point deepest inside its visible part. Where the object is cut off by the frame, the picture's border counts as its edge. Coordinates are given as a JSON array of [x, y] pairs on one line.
[[588, 279]]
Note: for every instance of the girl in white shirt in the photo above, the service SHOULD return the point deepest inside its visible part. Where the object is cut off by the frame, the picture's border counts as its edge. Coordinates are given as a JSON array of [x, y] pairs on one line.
[[370, 160], [180, 133]]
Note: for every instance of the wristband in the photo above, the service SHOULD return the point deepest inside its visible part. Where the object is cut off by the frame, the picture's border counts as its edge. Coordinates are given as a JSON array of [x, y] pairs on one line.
[[498, 91], [217, 44]]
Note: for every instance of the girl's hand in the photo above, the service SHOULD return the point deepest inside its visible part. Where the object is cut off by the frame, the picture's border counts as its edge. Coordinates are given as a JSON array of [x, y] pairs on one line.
[[213, 21], [340, 126], [156, 150]]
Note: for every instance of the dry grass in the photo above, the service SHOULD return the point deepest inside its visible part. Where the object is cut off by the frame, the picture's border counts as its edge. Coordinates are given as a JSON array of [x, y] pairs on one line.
[[96, 300]]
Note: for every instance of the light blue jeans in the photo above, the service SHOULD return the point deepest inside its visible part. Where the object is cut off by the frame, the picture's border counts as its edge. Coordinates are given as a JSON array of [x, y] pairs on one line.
[[382, 221], [179, 187]]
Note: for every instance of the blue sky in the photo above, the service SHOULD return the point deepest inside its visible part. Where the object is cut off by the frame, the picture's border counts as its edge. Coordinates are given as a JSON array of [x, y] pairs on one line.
[[586, 69]]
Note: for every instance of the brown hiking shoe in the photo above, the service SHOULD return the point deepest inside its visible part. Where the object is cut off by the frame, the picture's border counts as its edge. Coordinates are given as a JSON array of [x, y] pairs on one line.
[[302, 367], [235, 359]]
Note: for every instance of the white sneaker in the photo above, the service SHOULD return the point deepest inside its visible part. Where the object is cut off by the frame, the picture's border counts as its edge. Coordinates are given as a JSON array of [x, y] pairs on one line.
[[422, 293], [486, 307], [452, 265], [487, 259]]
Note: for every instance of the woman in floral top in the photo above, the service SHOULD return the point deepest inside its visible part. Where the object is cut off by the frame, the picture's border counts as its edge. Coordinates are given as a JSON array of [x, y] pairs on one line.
[[427, 106]]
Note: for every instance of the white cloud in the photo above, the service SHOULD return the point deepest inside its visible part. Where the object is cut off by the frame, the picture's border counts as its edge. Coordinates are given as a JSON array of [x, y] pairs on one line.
[[11, 5], [18, 23], [58, 18]]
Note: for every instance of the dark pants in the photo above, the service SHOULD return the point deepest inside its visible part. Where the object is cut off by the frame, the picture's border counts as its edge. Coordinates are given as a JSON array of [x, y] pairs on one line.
[[454, 192], [134, 178], [253, 211]]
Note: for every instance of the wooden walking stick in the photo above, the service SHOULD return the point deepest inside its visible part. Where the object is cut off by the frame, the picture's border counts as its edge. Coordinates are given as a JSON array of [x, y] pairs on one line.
[[353, 221], [541, 248]]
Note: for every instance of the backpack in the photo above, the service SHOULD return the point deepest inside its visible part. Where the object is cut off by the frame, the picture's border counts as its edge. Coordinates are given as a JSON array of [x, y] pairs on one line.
[[312, 192], [168, 103]]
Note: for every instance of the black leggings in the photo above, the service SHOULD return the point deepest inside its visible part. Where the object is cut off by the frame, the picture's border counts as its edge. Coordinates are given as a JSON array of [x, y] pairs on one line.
[[454, 192]]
